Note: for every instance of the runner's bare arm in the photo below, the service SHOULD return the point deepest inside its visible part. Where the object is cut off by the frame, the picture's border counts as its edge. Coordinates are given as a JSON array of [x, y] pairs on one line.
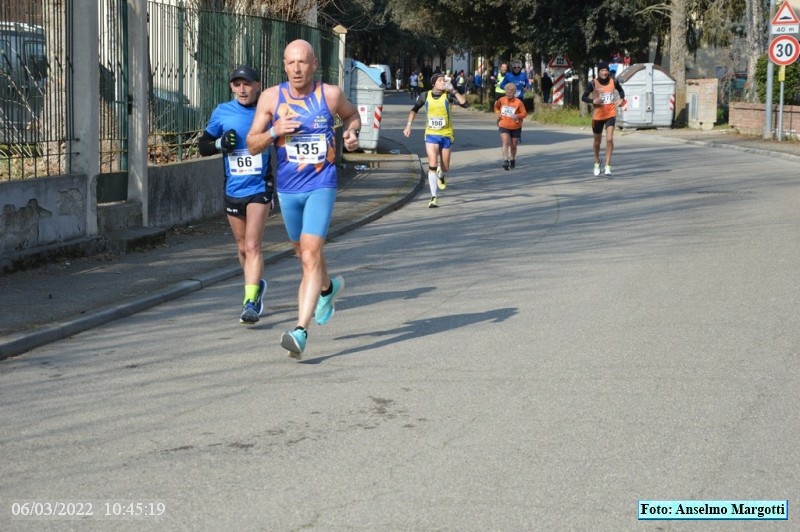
[[259, 137], [351, 120]]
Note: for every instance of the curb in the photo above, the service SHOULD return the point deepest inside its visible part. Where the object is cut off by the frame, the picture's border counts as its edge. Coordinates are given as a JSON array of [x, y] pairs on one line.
[[18, 343], [733, 147]]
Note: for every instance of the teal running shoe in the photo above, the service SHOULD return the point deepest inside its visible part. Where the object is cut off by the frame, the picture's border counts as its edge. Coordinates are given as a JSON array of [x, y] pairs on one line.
[[325, 308], [294, 342]]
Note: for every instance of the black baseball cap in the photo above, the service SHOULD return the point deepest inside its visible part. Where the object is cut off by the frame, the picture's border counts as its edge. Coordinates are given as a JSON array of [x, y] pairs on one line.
[[246, 73]]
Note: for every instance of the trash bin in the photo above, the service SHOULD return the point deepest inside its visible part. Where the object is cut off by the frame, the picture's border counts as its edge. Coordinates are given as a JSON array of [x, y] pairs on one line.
[[650, 95], [362, 85]]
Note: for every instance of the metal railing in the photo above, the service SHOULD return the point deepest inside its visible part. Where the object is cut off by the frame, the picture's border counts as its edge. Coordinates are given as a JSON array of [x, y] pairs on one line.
[[190, 53], [34, 78]]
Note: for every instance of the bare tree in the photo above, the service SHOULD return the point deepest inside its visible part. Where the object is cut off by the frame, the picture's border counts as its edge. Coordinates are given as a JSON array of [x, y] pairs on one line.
[[305, 11], [678, 50]]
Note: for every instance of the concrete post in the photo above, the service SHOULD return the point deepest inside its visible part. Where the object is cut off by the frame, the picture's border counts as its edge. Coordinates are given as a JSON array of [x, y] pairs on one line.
[[85, 80], [341, 32], [138, 68]]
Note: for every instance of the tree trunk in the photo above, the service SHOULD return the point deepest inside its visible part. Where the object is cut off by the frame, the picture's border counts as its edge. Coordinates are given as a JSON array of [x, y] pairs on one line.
[[756, 42], [677, 56]]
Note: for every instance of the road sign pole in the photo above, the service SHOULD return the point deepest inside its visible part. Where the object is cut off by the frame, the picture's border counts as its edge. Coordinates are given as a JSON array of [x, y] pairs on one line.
[[781, 78], [783, 50], [770, 73]]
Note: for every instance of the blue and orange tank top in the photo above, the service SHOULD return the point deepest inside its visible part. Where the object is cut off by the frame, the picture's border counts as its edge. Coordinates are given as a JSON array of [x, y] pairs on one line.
[[307, 158]]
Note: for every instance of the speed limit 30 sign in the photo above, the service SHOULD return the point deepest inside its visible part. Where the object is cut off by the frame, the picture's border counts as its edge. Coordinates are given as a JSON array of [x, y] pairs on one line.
[[784, 50]]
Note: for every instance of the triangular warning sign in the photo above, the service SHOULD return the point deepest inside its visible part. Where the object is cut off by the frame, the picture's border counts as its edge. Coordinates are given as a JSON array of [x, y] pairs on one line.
[[560, 62], [785, 15]]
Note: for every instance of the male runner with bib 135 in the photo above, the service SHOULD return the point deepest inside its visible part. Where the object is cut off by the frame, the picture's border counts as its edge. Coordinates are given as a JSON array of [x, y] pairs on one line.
[[248, 184], [297, 116], [605, 94]]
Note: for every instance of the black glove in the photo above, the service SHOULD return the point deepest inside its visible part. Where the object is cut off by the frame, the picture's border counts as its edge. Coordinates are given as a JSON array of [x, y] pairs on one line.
[[228, 141]]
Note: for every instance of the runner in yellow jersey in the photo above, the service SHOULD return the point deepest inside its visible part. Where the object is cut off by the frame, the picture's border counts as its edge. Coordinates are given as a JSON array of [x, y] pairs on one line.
[[439, 138]]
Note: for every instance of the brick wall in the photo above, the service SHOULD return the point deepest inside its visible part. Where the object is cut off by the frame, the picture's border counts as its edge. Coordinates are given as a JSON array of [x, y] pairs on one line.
[[748, 119]]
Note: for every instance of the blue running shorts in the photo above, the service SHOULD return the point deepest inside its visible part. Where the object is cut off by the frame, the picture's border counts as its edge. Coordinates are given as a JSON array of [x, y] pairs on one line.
[[307, 213], [443, 142]]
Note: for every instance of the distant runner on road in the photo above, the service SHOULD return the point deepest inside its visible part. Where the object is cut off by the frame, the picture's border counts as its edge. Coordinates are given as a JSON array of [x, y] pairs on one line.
[[510, 112], [605, 94], [439, 137]]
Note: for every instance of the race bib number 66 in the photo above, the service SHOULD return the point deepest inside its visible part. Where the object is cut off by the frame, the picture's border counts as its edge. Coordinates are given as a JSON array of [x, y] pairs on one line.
[[240, 162]]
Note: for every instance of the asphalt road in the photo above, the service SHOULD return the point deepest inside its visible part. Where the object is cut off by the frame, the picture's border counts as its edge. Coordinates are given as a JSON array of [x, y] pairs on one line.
[[540, 353]]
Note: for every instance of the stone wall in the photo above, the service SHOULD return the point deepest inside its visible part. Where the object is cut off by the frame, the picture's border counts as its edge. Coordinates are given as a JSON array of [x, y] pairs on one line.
[[185, 192], [41, 212], [45, 217]]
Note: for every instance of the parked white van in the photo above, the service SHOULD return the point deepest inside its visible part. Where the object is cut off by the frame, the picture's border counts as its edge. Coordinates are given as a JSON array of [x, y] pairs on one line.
[[388, 71]]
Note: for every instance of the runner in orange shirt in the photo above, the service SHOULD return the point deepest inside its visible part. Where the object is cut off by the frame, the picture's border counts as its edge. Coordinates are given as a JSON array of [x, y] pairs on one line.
[[605, 94], [510, 112]]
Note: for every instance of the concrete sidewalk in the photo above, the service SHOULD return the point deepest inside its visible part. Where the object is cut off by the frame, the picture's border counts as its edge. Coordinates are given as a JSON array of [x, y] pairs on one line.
[[728, 139], [56, 301]]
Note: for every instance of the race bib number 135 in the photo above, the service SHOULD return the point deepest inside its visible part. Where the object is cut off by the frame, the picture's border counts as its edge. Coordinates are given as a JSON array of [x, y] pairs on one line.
[[306, 149]]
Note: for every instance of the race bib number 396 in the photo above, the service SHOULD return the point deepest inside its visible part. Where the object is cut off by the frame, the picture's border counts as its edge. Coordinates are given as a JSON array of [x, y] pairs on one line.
[[306, 149]]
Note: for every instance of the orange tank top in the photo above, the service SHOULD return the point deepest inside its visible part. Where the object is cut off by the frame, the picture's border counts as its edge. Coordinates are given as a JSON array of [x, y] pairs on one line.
[[608, 107]]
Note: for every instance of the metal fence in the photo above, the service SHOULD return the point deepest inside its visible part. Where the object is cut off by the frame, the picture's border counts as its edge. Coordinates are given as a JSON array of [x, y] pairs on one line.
[[191, 51], [112, 49], [34, 130]]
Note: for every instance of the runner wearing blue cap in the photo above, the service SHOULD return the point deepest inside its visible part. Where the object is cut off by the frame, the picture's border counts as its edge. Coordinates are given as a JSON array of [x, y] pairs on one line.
[[248, 184]]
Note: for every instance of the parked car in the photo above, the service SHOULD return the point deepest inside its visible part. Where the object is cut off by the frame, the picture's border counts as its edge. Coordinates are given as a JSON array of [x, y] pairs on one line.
[[173, 112], [23, 78]]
